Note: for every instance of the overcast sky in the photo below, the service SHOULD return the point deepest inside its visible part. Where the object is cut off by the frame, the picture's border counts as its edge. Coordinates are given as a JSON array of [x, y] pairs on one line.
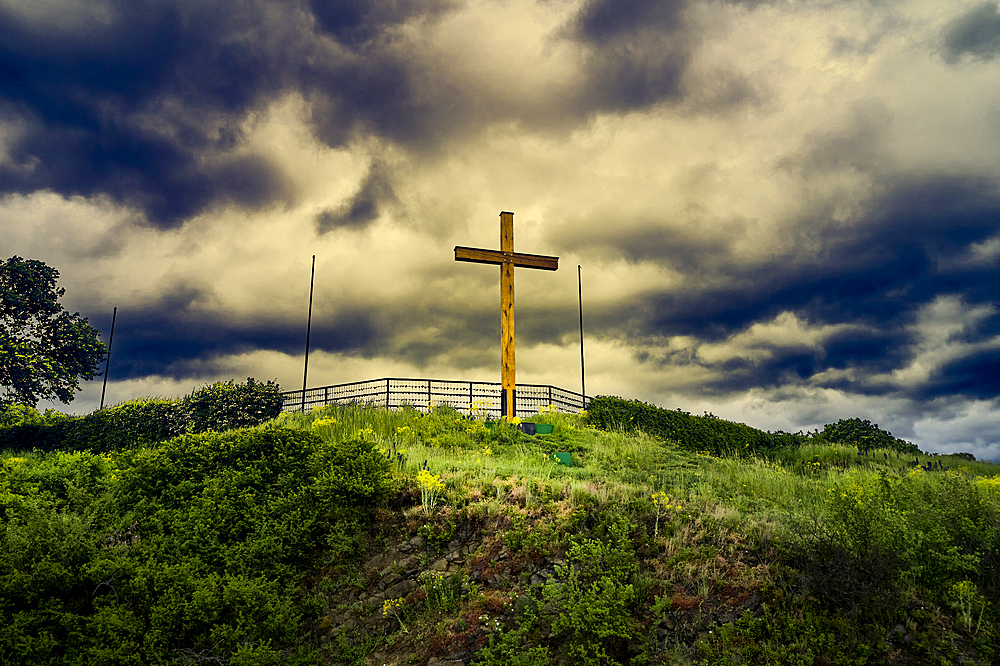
[[786, 212]]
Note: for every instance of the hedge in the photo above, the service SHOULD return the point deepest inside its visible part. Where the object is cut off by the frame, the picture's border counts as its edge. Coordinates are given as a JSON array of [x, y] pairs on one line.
[[696, 433], [216, 408]]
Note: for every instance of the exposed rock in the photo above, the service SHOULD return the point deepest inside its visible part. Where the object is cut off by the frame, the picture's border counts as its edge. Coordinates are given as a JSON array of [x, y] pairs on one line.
[[390, 580], [401, 589]]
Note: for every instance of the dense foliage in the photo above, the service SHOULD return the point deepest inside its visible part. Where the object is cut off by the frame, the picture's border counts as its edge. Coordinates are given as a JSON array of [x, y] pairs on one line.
[[217, 407], [227, 405], [193, 550], [695, 433], [714, 435], [865, 435], [44, 350]]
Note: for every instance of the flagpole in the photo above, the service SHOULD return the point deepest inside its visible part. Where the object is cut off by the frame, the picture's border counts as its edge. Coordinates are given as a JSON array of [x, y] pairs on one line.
[[583, 374], [107, 360], [305, 370]]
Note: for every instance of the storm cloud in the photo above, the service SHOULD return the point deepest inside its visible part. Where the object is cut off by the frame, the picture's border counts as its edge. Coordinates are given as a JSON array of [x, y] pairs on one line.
[[785, 213]]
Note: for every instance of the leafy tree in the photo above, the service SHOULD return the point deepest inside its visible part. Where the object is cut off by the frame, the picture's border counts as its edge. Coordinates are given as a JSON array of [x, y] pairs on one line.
[[865, 435], [44, 350]]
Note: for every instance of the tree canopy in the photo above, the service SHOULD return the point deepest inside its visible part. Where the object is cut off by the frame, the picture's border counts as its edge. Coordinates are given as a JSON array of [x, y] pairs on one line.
[[44, 350], [866, 435]]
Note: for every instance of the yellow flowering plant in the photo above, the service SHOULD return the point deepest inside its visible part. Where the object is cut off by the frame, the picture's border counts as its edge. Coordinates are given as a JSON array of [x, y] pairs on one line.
[[430, 486], [393, 607], [966, 600], [479, 409], [662, 503]]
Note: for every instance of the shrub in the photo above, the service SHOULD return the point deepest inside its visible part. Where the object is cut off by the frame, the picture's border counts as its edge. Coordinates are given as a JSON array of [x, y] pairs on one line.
[[694, 433], [217, 407], [132, 423], [883, 535], [228, 405], [193, 550], [584, 615], [12, 414], [865, 435], [353, 475]]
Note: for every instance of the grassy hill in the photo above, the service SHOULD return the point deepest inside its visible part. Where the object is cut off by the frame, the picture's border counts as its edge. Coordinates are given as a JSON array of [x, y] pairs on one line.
[[351, 535]]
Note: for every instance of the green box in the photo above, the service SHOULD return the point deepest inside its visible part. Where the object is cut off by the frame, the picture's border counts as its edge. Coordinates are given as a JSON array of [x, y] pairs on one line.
[[543, 428], [563, 458]]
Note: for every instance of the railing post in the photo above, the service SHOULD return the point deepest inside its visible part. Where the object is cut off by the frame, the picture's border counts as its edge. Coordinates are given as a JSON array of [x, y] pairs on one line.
[[428, 396], [387, 393]]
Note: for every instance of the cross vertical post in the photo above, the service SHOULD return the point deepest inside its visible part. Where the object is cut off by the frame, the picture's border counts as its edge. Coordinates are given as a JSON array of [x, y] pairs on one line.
[[507, 259], [507, 381]]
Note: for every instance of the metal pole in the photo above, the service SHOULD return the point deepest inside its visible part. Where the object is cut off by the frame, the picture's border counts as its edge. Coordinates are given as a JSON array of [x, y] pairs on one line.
[[107, 361], [305, 371], [583, 374]]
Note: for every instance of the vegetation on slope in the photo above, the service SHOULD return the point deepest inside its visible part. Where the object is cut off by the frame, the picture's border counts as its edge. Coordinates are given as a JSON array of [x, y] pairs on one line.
[[216, 407], [351, 535]]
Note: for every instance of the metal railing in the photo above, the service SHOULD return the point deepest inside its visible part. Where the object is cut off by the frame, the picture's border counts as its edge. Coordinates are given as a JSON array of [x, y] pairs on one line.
[[394, 392]]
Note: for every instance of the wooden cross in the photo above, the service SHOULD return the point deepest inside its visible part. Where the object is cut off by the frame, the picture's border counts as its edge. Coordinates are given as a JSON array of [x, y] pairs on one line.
[[507, 259]]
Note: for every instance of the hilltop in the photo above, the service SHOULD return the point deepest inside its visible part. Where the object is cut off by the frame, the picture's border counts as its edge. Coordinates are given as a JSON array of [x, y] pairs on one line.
[[351, 535]]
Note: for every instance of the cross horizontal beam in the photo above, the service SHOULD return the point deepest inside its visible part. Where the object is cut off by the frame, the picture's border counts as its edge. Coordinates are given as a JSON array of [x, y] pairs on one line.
[[520, 259]]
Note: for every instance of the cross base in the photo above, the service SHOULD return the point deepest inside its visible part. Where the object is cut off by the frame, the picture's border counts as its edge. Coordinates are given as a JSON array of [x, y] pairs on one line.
[[508, 408]]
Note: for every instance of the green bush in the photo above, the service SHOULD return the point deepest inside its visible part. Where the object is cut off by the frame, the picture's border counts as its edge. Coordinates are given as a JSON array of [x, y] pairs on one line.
[[865, 435], [217, 407], [12, 414], [228, 405], [883, 536], [133, 423], [192, 550], [792, 636], [585, 613], [695, 433]]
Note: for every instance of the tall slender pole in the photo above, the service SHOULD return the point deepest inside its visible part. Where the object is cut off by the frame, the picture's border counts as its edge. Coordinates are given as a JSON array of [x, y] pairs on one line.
[[107, 360], [305, 371], [583, 374]]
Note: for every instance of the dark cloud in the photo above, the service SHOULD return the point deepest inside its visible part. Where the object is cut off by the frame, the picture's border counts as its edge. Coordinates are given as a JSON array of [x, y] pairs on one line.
[[601, 21], [976, 376], [635, 52], [637, 55], [365, 206], [144, 102], [357, 22], [172, 336], [178, 335], [872, 274], [976, 33], [635, 76]]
